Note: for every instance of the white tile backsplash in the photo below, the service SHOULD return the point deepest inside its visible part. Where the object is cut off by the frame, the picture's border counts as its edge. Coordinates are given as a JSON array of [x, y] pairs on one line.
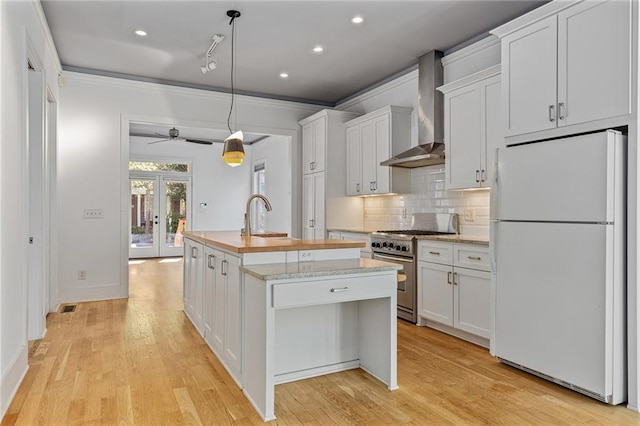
[[428, 195]]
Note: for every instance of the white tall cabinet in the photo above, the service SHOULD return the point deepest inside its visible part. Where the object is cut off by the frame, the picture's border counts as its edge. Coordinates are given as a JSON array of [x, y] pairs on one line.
[[324, 174], [554, 60], [472, 128], [371, 139]]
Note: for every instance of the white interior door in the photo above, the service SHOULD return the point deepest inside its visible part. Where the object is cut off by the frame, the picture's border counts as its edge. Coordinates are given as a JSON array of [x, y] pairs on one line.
[[38, 209], [159, 213]]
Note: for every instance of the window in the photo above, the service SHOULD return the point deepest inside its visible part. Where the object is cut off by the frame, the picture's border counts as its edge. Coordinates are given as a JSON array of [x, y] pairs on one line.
[[259, 212], [151, 166]]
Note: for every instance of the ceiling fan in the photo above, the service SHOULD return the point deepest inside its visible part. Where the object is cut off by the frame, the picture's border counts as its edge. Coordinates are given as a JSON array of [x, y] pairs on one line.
[[174, 135]]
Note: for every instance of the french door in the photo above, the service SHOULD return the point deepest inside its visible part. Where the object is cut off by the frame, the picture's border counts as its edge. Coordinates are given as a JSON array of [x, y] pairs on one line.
[[160, 213]]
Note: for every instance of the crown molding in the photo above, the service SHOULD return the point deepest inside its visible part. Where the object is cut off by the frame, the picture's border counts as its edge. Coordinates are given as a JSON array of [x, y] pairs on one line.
[[44, 25], [467, 51], [71, 76], [535, 15], [376, 90]]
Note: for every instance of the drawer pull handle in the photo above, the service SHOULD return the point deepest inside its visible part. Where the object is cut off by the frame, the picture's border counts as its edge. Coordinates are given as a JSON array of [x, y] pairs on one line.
[[435, 253], [474, 258], [335, 290]]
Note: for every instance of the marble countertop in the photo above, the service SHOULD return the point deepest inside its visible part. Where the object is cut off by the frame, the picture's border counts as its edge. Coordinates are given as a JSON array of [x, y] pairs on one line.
[[233, 242], [284, 271], [463, 239]]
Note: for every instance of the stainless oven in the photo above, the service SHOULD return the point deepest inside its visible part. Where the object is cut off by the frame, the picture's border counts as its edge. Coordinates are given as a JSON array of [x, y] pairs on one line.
[[400, 246], [407, 284]]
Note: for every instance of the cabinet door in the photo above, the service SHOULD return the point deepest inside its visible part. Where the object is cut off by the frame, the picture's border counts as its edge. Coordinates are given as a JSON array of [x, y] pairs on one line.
[[368, 153], [195, 271], [594, 86], [354, 161], [436, 293], [209, 294], [320, 143], [220, 298], [308, 200], [472, 301], [462, 137], [307, 147], [186, 278], [382, 183], [491, 134], [319, 225], [233, 317], [529, 78]]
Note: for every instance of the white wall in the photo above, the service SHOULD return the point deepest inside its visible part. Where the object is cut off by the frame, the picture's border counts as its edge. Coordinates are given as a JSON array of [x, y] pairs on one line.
[[93, 153], [274, 151], [22, 24], [211, 180]]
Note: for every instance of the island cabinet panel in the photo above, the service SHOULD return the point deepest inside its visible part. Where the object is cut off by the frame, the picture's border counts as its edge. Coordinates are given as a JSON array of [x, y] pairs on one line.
[[193, 283], [213, 301]]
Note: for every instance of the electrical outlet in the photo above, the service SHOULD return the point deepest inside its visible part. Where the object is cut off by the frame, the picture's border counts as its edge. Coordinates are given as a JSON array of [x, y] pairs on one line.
[[93, 214], [469, 214], [82, 274], [306, 256]]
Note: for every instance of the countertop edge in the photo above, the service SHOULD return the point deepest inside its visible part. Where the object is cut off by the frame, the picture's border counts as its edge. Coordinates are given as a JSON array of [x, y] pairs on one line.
[[316, 269]]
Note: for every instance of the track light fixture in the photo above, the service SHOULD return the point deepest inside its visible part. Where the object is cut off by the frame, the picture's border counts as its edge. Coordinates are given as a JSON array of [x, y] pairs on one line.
[[210, 64]]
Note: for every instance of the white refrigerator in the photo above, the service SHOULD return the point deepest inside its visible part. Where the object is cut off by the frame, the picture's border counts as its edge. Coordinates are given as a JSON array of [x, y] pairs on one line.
[[558, 249]]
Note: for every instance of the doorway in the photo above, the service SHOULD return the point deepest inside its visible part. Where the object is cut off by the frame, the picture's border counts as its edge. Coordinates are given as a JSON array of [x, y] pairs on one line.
[[160, 213]]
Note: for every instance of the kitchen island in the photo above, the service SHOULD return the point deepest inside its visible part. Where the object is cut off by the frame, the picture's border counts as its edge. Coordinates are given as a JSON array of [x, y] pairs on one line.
[[274, 310]]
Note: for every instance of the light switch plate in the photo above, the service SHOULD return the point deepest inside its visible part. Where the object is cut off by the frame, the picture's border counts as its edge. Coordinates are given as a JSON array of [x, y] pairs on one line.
[[469, 214], [93, 214]]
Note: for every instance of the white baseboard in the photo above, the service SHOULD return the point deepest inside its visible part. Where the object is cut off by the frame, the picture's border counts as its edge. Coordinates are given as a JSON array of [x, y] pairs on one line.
[[12, 377], [91, 294]]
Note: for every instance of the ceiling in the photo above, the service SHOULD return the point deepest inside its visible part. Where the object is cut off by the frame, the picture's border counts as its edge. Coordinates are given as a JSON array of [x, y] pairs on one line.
[[271, 37]]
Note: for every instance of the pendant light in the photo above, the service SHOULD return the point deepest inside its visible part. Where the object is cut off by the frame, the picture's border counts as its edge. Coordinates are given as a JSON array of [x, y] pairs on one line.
[[233, 153]]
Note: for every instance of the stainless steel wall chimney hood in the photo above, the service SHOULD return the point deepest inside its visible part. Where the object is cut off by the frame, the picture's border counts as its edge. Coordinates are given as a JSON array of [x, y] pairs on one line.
[[430, 149]]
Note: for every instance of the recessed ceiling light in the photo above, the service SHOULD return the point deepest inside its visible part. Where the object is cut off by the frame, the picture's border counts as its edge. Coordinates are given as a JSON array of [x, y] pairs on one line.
[[357, 19], [318, 49], [141, 33], [284, 75]]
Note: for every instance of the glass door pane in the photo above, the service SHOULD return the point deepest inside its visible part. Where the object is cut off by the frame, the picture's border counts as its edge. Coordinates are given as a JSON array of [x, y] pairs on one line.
[[144, 217], [175, 202]]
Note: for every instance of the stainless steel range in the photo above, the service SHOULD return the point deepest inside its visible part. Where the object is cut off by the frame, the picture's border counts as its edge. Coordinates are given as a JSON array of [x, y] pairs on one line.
[[399, 246]]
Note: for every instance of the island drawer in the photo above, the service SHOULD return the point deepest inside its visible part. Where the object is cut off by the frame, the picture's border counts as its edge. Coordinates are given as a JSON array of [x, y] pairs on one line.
[[303, 293]]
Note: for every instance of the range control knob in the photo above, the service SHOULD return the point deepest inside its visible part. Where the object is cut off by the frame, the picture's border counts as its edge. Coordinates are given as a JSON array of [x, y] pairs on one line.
[[384, 244], [405, 248], [390, 245], [399, 247]]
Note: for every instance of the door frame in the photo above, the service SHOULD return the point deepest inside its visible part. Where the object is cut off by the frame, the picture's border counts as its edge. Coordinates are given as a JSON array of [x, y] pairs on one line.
[[160, 177]]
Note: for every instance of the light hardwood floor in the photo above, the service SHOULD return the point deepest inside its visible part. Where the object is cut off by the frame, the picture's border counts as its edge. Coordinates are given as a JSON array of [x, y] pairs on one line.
[[140, 361]]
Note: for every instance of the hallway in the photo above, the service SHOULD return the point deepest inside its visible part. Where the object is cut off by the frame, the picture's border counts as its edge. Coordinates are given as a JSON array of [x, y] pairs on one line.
[[140, 361]]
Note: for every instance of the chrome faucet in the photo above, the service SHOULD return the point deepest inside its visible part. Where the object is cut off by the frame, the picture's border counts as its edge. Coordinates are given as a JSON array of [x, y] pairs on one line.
[[246, 231]]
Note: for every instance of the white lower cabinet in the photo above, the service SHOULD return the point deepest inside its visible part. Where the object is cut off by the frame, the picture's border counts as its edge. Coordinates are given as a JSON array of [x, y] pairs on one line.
[[213, 301], [193, 282], [454, 289]]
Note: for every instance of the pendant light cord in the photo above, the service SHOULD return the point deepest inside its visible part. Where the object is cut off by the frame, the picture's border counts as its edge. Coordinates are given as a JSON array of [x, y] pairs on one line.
[[233, 43]]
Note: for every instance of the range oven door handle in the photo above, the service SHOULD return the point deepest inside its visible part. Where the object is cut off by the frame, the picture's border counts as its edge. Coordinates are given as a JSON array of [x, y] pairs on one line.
[[392, 259]]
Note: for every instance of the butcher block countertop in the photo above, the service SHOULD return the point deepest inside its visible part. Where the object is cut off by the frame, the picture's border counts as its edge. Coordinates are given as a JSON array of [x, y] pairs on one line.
[[233, 242]]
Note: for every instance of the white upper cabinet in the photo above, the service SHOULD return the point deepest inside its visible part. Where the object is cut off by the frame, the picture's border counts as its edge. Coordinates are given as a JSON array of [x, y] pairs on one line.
[[371, 139], [566, 64], [314, 142], [471, 128]]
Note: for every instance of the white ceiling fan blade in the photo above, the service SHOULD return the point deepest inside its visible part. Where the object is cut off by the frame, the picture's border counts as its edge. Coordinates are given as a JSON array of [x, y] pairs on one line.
[[161, 140]]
